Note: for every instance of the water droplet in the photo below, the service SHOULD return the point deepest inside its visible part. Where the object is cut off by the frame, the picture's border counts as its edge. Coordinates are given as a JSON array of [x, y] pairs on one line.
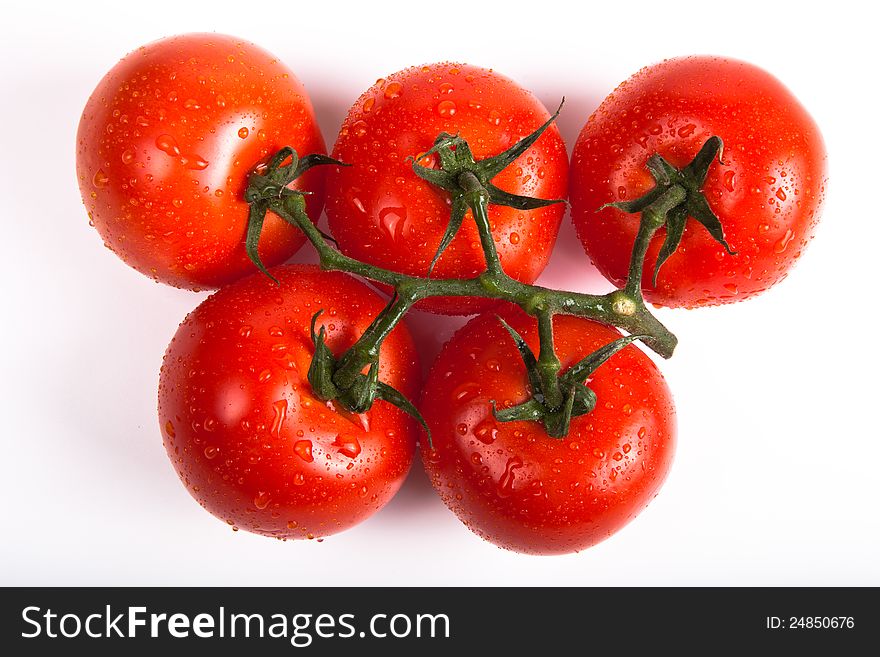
[[617, 456], [276, 331], [598, 453], [299, 479], [303, 449], [169, 429], [243, 133], [687, 130], [292, 524], [476, 459], [486, 432], [780, 194], [627, 448], [191, 104], [495, 117], [446, 88], [393, 90], [394, 221], [446, 108], [782, 244], [196, 163], [279, 408], [462, 429], [211, 451], [493, 365], [368, 104], [264, 376], [100, 178], [127, 156], [348, 445], [245, 331], [261, 501], [732, 288], [168, 145], [729, 180], [505, 484], [514, 238], [359, 128], [465, 392]]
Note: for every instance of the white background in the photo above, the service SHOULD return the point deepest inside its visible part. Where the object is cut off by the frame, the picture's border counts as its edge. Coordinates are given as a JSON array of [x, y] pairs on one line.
[[776, 476]]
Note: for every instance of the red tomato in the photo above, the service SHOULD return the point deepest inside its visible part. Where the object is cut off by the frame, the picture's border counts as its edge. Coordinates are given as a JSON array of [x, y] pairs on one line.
[[382, 213], [767, 193], [242, 428], [513, 484], [165, 146]]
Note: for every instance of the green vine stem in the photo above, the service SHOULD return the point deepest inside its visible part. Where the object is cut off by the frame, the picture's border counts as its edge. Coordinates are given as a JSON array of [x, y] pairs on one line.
[[556, 398]]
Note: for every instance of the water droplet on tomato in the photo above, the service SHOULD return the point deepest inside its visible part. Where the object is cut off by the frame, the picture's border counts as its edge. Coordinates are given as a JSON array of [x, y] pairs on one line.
[[446, 88], [299, 479], [782, 244], [264, 376], [196, 163], [780, 194], [687, 130], [505, 484], [368, 104], [394, 222], [732, 288], [393, 90], [303, 449], [168, 145], [276, 331], [279, 408], [495, 117], [169, 429], [100, 178], [729, 180], [359, 129], [261, 501], [127, 156], [514, 238], [243, 133], [465, 392], [211, 451], [446, 108], [347, 445], [292, 524], [486, 432]]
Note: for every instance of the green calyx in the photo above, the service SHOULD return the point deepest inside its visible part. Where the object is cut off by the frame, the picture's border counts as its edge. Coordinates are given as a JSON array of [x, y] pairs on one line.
[[361, 390], [555, 400], [271, 187], [469, 183], [677, 195]]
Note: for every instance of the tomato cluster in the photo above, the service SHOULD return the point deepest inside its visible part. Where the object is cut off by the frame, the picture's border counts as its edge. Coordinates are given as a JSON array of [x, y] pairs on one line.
[[269, 417]]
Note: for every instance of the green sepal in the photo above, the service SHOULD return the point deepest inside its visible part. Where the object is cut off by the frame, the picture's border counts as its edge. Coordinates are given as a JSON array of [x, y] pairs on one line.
[[492, 166], [675, 223], [256, 216], [271, 186], [456, 218], [359, 398], [528, 357], [581, 371], [531, 410], [398, 399], [323, 364], [500, 197]]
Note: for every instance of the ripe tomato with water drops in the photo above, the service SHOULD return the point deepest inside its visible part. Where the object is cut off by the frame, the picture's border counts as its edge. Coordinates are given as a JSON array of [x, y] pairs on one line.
[[242, 428], [767, 191], [381, 212], [510, 482], [165, 146]]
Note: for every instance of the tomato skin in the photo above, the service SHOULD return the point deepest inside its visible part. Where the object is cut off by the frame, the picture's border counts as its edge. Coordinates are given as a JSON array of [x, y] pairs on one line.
[[511, 483], [240, 424], [381, 212], [164, 148], [767, 193]]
